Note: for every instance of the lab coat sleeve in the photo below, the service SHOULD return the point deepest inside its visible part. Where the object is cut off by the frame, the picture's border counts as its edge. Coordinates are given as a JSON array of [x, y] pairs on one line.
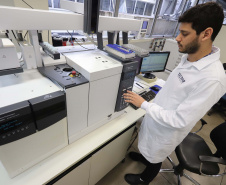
[[193, 108]]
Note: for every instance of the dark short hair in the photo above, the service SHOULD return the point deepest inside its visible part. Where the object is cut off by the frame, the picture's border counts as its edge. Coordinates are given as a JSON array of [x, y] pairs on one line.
[[205, 15]]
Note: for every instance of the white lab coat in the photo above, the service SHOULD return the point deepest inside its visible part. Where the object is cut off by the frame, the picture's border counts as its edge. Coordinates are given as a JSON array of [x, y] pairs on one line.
[[189, 92]]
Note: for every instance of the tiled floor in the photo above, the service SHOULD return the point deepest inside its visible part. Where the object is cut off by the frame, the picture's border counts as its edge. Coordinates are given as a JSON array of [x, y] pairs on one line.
[[116, 175]]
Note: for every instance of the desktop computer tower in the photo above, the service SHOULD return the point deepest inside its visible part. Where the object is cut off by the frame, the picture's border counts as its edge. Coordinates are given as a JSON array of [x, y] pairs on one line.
[[129, 72]]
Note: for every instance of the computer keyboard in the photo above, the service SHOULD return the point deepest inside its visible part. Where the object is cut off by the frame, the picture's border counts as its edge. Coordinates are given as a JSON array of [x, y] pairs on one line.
[[138, 51], [147, 95]]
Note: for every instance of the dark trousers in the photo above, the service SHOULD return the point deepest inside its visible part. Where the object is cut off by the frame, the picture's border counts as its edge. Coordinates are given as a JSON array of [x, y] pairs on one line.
[[151, 171]]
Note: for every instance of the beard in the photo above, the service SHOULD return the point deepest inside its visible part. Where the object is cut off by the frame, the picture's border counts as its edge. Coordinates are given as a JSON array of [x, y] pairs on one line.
[[191, 47]]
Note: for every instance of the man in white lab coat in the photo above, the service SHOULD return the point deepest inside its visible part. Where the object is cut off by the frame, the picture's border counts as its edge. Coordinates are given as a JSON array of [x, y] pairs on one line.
[[190, 91]]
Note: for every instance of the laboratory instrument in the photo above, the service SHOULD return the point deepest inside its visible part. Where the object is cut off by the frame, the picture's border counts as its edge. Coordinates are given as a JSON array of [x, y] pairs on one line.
[[33, 122]]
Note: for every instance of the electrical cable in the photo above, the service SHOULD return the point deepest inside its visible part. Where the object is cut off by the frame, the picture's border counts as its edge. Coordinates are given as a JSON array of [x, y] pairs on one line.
[[77, 41], [15, 37], [25, 34], [27, 4]]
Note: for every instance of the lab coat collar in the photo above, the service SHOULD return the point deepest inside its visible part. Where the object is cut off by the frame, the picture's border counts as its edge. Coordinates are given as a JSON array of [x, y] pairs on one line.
[[203, 62]]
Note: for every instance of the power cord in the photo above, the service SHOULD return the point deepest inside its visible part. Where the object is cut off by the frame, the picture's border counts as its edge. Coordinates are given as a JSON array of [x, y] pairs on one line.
[[27, 4], [76, 41]]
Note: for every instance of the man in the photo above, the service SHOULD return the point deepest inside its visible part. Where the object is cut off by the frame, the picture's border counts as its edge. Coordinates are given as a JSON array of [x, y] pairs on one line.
[[190, 91]]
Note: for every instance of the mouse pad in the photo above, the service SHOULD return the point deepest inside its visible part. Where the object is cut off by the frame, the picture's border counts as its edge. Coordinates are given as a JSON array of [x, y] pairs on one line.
[[155, 86]]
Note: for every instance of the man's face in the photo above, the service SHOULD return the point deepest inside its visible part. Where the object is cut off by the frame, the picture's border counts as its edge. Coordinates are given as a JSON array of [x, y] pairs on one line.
[[188, 41]]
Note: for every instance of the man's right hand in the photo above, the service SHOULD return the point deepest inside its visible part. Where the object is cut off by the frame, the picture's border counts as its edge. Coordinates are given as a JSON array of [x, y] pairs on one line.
[[133, 98]]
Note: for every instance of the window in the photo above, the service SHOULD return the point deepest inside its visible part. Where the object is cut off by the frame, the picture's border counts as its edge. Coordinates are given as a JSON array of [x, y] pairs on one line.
[[54, 3], [139, 8], [148, 9], [169, 12], [136, 7], [166, 21], [130, 5], [107, 5]]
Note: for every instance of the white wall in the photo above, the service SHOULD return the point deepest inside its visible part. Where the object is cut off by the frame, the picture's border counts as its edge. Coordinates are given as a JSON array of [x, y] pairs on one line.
[[220, 42], [7, 2], [36, 4]]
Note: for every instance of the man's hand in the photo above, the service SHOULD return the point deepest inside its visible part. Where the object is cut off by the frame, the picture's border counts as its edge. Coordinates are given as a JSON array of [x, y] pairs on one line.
[[133, 98]]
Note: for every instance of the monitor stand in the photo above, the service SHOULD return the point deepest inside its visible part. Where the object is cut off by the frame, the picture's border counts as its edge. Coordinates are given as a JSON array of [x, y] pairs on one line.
[[149, 76], [148, 80]]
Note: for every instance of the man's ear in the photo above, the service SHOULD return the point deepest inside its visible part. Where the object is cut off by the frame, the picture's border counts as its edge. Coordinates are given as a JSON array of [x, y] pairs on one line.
[[207, 33]]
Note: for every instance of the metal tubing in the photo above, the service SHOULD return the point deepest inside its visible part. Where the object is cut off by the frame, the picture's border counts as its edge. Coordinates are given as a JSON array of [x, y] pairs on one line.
[[166, 171], [191, 179]]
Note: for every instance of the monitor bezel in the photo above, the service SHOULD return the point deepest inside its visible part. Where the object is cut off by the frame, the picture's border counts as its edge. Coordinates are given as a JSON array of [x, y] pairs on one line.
[[153, 52]]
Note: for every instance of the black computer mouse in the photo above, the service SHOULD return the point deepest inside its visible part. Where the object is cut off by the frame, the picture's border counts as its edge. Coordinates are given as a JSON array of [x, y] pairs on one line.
[[154, 88]]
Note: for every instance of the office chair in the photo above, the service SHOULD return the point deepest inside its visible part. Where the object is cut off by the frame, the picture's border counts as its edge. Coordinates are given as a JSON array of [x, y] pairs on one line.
[[220, 107], [195, 156]]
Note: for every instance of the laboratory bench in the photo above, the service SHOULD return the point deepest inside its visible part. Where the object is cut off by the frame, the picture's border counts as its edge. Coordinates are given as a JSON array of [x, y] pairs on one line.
[[86, 160]]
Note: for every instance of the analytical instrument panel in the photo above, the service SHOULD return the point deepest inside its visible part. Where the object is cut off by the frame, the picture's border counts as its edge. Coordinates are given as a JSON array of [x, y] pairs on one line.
[[64, 75], [24, 118]]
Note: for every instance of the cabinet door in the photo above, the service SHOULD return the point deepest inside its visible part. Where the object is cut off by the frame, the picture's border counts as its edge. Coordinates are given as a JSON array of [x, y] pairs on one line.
[[108, 157], [78, 176]]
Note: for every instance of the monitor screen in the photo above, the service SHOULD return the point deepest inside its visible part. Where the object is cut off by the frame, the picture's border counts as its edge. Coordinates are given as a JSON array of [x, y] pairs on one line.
[[155, 62], [144, 25]]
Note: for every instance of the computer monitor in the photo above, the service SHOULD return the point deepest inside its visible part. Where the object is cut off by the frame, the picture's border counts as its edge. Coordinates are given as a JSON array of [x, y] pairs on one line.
[[144, 26], [155, 62]]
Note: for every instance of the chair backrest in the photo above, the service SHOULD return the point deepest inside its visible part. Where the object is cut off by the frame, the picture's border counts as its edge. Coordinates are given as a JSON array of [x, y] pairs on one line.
[[218, 136], [224, 66], [224, 97]]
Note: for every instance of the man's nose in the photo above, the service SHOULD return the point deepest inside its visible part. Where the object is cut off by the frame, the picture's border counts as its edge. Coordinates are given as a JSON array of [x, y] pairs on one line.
[[178, 38]]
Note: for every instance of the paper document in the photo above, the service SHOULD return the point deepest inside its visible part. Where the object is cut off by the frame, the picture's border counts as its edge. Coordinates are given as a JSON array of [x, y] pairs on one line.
[[160, 82]]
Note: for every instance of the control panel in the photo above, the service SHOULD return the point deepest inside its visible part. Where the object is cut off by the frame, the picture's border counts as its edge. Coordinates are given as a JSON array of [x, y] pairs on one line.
[[25, 118], [126, 83], [64, 75], [16, 122]]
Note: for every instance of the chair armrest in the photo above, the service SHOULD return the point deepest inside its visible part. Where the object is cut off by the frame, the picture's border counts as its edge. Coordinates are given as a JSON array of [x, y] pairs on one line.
[[211, 159], [203, 122]]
